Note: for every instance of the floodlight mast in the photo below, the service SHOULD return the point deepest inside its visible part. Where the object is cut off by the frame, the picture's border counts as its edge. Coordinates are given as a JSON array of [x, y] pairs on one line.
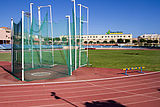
[[75, 33], [70, 48]]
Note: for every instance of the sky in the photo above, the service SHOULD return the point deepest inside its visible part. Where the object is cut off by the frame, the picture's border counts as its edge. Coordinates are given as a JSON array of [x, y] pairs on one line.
[[129, 16]]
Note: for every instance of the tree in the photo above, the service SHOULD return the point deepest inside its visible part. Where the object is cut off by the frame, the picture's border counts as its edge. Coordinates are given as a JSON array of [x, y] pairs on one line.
[[127, 40], [90, 42], [112, 41], [64, 39], [155, 41], [134, 41], [142, 40], [120, 41], [98, 42], [57, 39], [78, 40], [149, 41], [85, 42], [104, 42]]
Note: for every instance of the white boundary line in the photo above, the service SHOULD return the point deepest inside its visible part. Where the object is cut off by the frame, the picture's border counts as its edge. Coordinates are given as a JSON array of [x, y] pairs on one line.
[[104, 82], [78, 80]]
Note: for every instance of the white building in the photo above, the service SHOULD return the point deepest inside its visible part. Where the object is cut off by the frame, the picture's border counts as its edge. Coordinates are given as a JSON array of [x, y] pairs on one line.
[[5, 35], [153, 37], [101, 38], [108, 38], [150, 36]]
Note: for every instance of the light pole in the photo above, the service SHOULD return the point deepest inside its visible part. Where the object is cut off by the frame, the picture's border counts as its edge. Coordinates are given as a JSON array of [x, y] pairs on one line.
[[70, 49], [75, 33]]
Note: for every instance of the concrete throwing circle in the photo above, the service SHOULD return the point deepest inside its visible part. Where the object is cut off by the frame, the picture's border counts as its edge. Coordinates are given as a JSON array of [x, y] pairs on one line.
[[41, 74]]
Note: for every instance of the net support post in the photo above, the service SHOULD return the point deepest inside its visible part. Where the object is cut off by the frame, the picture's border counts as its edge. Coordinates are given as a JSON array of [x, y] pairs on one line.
[[87, 33], [70, 45], [80, 33], [75, 33], [31, 19], [12, 67], [22, 45], [51, 33], [40, 38]]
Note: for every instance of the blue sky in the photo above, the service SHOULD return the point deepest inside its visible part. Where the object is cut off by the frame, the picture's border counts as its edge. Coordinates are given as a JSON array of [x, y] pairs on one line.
[[130, 16]]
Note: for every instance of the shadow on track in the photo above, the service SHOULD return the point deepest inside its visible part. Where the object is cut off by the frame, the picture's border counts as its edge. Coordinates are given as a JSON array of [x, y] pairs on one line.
[[108, 103], [57, 97]]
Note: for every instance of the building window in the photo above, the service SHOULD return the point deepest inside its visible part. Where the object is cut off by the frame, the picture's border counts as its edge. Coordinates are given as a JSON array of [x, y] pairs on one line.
[[124, 36], [96, 36], [108, 36], [102, 36], [129, 36], [90, 36], [120, 36], [93, 36], [114, 36]]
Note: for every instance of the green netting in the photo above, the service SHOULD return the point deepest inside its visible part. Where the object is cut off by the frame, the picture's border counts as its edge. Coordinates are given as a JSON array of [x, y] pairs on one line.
[[17, 50], [44, 56]]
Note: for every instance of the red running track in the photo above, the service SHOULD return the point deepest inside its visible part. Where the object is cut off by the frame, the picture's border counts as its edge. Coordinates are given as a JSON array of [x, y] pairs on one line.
[[138, 91]]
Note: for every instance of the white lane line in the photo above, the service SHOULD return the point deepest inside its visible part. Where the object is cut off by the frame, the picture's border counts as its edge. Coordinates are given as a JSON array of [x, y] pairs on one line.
[[69, 97], [46, 89], [79, 80], [83, 83]]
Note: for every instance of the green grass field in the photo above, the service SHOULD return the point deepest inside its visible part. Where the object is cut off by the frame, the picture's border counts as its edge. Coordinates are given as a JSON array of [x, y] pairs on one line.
[[125, 58], [117, 58]]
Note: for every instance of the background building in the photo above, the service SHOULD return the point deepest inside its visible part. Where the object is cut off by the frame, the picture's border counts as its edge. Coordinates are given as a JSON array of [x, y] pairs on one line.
[[108, 38], [149, 40], [5, 35]]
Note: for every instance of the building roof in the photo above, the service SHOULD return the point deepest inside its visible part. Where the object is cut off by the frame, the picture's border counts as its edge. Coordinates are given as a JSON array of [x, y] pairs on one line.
[[5, 28]]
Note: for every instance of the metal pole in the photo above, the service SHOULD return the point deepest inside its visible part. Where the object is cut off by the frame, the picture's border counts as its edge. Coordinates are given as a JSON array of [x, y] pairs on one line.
[[31, 35], [51, 33], [22, 45], [80, 33], [70, 48], [12, 69], [39, 16], [75, 34], [28, 28], [87, 32]]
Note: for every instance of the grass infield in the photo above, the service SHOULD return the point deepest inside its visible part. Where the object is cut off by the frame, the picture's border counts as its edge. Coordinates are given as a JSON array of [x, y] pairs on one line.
[[150, 59], [119, 59]]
